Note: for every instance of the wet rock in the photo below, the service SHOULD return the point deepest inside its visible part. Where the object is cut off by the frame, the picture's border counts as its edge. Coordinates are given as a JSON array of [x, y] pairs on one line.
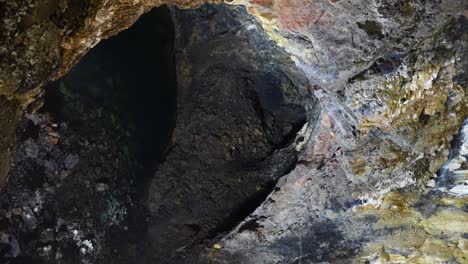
[[40, 120]]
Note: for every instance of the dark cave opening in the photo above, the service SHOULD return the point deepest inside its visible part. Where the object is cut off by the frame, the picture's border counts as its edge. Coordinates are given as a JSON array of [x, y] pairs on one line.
[[101, 132], [123, 94], [129, 81]]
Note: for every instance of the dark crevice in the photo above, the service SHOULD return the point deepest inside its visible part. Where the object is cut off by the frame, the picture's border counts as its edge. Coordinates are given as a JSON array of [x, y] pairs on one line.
[[243, 210]]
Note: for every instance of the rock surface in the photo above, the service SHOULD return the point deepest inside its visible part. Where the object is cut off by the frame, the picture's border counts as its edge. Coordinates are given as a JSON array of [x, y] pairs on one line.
[[390, 79], [241, 101]]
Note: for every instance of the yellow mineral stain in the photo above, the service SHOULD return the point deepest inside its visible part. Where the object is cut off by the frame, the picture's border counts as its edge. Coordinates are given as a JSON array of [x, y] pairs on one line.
[[461, 253], [437, 249], [449, 222], [458, 202], [217, 246]]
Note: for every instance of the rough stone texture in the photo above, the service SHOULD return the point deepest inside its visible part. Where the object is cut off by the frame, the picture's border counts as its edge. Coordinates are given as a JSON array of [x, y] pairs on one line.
[[391, 79], [240, 104], [335, 40]]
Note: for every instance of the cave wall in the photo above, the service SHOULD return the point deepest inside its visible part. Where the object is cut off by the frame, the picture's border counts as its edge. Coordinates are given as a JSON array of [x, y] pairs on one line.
[[241, 101], [391, 79], [389, 76], [391, 68]]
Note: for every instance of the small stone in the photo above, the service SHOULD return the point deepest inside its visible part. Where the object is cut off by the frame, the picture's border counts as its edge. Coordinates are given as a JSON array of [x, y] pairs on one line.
[[53, 140], [453, 165], [31, 148], [102, 187], [71, 160], [17, 211]]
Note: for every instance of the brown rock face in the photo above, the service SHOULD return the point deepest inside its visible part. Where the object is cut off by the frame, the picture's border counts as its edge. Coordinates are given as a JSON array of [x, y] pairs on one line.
[[45, 38]]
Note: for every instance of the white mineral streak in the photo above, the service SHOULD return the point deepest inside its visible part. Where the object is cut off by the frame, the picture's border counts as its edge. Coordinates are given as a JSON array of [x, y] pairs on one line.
[[454, 174], [86, 246]]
